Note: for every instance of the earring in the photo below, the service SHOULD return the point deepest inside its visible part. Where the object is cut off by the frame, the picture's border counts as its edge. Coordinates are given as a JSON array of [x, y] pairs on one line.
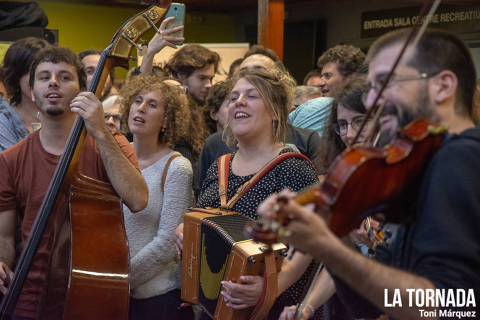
[[275, 127]]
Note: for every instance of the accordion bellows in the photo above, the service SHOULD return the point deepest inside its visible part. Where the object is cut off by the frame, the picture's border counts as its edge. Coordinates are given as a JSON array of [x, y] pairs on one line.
[[216, 248]]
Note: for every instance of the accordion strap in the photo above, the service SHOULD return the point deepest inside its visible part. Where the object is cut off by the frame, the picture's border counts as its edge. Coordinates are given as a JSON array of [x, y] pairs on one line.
[[269, 292], [223, 170]]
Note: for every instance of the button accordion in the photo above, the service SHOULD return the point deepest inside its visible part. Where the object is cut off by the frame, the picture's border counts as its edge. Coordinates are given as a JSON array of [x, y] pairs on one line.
[[216, 248]]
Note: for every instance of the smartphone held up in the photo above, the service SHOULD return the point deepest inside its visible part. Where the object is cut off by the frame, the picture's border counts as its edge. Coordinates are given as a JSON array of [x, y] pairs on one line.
[[177, 11]]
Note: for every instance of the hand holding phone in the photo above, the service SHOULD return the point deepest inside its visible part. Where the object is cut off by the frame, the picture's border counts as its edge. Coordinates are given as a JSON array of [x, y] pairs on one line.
[[169, 34], [174, 27]]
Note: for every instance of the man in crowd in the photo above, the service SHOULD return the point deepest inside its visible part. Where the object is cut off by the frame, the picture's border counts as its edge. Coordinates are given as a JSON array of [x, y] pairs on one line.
[[217, 104], [90, 59], [338, 65], [111, 110], [313, 78], [194, 66], [57, 79]]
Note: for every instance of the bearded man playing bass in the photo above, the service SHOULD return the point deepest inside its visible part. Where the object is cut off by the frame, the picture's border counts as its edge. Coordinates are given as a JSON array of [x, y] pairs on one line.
[[432, 267], [57, 78]]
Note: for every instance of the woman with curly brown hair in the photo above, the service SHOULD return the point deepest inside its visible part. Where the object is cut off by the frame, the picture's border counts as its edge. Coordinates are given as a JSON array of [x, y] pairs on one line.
[[157, 115]]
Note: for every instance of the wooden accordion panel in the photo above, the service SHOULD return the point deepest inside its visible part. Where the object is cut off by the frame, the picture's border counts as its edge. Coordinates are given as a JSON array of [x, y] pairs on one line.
[[216, 248]]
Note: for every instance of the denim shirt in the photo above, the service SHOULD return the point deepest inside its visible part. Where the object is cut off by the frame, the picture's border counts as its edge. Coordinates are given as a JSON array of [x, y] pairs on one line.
[[12, 127]]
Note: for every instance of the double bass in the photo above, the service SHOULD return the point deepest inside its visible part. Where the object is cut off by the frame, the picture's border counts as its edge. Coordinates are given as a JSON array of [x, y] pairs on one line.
[[88, 268]]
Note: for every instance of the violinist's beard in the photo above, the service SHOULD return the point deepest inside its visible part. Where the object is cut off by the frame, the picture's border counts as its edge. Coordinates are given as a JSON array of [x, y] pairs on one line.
[[405, 115], [389, 124], [386, 137], [424, 108]]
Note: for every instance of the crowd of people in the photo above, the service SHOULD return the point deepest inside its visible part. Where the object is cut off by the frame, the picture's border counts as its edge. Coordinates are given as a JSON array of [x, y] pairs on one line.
[[168, 136]]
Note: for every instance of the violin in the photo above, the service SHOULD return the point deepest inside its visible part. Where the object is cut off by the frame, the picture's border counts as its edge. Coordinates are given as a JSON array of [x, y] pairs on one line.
[[366, 180]]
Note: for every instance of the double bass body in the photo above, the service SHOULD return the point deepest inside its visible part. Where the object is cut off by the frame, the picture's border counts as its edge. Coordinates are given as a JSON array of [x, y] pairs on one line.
[[98, 286]]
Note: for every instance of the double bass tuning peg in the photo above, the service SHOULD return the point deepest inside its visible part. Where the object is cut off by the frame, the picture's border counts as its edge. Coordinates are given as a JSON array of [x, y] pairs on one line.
[[129, 37], [150, 21]]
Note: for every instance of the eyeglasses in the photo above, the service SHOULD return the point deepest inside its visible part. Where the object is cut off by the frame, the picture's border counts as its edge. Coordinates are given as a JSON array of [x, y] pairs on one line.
[[341, 127], [116, 117], [395, 78]]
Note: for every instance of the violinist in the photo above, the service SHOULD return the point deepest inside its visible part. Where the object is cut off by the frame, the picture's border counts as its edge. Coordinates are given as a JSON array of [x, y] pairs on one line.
[[344, 121], [437, 248], [57, 78]]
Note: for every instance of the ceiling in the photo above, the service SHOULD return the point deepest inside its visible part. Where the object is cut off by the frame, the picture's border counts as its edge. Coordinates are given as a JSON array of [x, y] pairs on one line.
[[240, 5], [201, 5]]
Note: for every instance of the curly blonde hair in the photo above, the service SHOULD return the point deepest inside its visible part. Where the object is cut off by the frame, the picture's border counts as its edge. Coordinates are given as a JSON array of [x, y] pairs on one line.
[[276, 88], [177, 113]]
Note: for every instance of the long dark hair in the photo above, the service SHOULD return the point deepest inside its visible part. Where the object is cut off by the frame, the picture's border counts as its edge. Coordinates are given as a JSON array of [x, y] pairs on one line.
[[16, 64], [349, 97]]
